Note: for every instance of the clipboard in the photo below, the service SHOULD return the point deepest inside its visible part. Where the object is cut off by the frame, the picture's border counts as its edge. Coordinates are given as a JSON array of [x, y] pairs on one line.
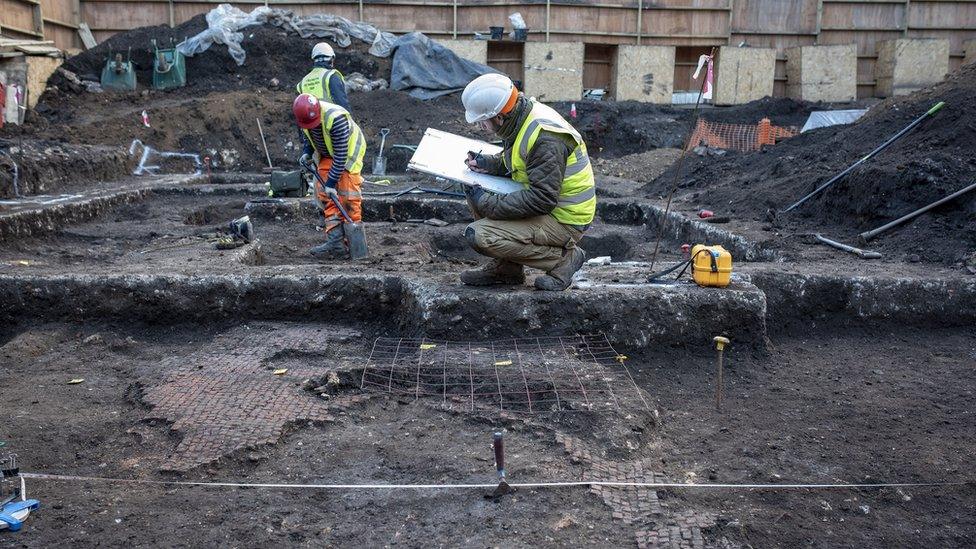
[[442, 154]]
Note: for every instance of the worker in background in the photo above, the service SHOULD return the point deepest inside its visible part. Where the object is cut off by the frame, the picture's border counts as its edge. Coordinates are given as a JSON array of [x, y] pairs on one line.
[[324, 81], [540, 225], [331, 135]]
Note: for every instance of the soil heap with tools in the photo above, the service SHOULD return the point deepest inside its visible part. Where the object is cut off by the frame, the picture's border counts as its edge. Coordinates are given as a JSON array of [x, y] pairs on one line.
[[215, 114], [934, 160]]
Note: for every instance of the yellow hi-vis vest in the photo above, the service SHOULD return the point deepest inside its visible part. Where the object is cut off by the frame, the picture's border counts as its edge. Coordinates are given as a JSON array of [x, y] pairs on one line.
[[316, 83], [357, 143], [577, 197]]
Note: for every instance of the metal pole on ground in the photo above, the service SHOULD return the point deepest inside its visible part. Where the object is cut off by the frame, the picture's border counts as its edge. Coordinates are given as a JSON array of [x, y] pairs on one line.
[[265, 144], [720, 343], [868, 235], [935, 108], [681, 160]]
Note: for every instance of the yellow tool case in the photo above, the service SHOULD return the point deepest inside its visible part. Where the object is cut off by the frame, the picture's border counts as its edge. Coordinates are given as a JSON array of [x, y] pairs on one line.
[[711, 265]]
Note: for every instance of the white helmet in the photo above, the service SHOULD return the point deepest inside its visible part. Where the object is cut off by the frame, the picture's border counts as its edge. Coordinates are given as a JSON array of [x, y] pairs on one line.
[[322, 49], [486, 96]]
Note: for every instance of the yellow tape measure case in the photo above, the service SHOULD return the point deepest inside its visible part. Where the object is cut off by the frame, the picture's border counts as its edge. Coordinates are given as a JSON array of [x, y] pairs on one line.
[[711, 265]]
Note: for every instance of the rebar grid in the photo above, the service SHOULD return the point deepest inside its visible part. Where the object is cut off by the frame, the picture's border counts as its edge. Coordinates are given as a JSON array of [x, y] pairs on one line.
[[529, 375]]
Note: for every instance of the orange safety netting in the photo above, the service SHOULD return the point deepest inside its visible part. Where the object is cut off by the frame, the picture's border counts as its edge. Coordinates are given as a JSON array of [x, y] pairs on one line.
[[739, 137]]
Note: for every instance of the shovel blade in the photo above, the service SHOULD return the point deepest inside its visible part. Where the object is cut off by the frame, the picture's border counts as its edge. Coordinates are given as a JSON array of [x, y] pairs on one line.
[[356, 237], [379, 165]]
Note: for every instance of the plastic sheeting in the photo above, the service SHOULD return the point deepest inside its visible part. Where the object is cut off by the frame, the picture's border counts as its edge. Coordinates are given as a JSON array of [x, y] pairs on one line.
[[225, 22], [425, 69], [822, 119]]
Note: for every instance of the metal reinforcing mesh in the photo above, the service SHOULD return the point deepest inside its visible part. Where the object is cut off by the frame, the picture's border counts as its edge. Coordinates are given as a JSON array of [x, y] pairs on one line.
[[532, 375]]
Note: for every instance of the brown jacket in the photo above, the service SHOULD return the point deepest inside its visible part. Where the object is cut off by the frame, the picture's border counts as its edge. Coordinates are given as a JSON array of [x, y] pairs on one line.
[[545, 164]]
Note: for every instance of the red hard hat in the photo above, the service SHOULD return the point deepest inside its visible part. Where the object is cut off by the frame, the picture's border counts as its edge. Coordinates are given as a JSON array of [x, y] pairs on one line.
[[307, 112]]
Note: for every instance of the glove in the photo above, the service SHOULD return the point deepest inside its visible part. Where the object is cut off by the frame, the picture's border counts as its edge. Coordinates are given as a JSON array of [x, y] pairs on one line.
[[305, 159], [474, 192], [476, 162]]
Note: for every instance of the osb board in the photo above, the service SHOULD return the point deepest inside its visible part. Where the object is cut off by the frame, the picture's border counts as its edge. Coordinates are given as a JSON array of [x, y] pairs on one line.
[[554, 71], [644, 73], [39, 69], [822, 73], [744, 74], [906, 65], [472, 50]]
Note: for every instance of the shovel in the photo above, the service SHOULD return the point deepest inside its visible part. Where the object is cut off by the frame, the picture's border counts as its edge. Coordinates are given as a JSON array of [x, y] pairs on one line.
[[379, 163], [354, 232]]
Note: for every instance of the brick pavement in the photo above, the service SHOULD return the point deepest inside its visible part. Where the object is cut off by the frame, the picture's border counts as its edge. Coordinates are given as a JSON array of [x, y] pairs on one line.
[[225, 398], [656, 524]]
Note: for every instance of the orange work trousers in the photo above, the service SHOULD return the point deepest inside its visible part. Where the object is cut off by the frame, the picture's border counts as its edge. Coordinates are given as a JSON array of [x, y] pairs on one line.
[[350, 191]]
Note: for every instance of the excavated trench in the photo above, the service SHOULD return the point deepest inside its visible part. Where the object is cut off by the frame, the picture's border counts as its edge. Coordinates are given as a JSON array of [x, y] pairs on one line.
[[148, 254]]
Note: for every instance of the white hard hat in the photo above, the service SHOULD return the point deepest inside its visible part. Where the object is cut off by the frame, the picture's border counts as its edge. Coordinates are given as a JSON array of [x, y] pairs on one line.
[[486, 96], [322, 49]]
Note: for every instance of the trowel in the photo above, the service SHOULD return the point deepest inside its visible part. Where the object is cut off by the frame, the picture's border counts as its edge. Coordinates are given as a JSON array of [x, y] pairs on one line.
[[379, 162], [354, 232], [498, 445]]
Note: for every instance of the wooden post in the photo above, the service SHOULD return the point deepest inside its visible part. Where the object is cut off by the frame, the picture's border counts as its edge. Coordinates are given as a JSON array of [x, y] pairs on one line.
[[728, 41], [906, 17], [640, 22], [38, 21], [816, 39], [360, 10], [454, 7], [76, 19], [548, 4], [172, 15]]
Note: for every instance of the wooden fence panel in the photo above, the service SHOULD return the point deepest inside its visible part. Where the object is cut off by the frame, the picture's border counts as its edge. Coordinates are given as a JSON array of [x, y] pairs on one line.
[[691, 25], [19, 19], [774, 17]]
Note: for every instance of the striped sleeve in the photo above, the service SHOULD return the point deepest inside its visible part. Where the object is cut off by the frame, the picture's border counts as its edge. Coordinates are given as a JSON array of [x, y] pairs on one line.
[[340, 148]]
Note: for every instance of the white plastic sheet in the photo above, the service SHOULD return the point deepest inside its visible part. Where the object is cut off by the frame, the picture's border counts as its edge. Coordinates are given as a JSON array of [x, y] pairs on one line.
[[822, 119], [225, 22]]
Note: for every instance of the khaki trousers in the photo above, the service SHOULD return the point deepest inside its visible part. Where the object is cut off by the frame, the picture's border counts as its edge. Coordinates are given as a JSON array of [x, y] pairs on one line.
[[538, 242]]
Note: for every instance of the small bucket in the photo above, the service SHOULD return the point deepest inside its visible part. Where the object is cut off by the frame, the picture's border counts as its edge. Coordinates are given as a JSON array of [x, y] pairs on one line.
[[519, 34], [497, 32]]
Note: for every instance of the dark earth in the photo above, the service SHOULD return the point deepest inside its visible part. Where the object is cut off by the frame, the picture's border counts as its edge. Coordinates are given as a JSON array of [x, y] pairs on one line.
[[821, 408], [824, 400]]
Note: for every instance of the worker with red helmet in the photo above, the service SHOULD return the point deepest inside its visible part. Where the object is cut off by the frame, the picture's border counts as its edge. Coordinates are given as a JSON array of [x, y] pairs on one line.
[[331, 135]]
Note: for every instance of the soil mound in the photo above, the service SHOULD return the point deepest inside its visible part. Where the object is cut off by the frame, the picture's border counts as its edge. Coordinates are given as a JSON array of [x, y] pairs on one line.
[[935, 159], [614, 129], [271, 53]]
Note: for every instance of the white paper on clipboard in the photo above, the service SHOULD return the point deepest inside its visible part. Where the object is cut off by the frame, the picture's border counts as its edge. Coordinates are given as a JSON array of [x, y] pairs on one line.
[[442, 154]]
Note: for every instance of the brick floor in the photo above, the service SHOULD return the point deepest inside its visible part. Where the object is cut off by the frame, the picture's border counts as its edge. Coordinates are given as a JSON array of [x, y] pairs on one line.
[[656, 525], [226, 398]]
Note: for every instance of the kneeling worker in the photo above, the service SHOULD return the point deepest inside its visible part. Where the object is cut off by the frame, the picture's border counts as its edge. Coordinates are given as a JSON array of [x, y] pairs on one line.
[[540, 225], [331, 133]]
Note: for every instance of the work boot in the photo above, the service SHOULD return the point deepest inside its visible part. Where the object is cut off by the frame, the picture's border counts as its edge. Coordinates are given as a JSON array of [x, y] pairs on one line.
[[497, 271], [561, 276], [334, 246]]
